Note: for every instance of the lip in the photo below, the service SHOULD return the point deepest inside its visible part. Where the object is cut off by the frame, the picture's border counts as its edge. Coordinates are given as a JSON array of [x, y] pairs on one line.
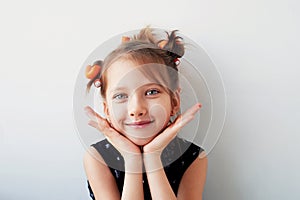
[[139, 124]]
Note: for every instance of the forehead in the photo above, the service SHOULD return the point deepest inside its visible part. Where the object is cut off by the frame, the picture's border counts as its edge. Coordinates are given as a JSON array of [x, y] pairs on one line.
[[125, 73]]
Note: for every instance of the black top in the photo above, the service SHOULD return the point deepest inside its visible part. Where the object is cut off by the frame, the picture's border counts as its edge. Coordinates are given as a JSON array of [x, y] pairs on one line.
[[176, 158]]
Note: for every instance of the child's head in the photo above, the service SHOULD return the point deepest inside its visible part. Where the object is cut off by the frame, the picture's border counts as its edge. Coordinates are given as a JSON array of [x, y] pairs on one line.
[[139, 84]]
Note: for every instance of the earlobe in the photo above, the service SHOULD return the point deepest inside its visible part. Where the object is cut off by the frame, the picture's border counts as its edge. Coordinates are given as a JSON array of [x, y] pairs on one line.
[[173, 113]]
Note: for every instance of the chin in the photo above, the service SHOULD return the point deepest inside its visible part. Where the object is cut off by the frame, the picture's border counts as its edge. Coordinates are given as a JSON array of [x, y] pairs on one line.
[[141, 141]]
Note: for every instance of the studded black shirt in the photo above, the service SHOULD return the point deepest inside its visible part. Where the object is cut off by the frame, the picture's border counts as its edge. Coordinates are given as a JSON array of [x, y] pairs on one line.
[[176, 158]]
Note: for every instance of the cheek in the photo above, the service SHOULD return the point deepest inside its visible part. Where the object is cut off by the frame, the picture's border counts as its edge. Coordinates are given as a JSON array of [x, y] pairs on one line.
[[160, 113], [118, 111]]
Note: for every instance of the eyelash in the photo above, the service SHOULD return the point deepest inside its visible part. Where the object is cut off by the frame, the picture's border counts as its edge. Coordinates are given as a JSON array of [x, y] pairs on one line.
[[117, 96], [151, 90], [122, 96]]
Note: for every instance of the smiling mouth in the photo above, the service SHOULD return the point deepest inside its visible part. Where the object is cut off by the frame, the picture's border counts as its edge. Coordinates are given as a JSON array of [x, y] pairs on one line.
[[139, 124]]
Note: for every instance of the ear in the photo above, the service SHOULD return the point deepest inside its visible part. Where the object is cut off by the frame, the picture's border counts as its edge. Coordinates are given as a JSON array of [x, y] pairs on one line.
[[105, 109], [175, 102]]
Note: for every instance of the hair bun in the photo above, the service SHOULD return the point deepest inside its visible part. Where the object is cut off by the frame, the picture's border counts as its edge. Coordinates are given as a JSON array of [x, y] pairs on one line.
[[175, 45]]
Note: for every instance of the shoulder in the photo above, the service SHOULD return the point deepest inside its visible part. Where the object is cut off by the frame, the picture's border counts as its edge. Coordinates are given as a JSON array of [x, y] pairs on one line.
[[188, 149], [193, 154], [180, 153], [93, 153], [100, 179], [94, 164], [92, 156], [101, 145], [193, 180], [109, 154], [98, 153]]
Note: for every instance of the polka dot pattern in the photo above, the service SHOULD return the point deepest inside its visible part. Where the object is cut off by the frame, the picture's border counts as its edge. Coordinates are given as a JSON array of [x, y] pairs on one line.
[[176, 158]]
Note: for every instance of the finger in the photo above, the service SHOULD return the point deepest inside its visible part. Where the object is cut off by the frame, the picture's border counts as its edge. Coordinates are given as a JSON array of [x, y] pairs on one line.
[[161, 140], [94, 124], [95, 116], [170, 132], [105, 129], [100, 123], [102, 127], [193, 110], [187, 116], [96, 121], [91, 113], [112, 135]]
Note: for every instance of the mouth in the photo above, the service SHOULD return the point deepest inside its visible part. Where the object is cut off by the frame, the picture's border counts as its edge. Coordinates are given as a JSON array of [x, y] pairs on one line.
[[140, 124]]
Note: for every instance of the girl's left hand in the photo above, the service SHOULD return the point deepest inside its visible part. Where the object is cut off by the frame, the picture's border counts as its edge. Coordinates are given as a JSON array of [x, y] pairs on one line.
[[157, 145]]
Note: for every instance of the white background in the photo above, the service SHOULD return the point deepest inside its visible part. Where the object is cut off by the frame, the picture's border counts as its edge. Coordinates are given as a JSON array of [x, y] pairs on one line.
[[255, 44]]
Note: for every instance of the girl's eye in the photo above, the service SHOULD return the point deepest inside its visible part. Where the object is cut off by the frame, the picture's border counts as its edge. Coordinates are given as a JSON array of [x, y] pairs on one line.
[[120, 96], [152, 92]]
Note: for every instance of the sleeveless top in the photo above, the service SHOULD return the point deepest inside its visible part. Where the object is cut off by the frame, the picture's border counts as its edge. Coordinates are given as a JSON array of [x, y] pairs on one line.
[[176, 158]]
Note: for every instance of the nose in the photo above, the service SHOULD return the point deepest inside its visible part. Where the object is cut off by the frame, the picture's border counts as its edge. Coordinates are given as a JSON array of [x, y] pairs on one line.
[[136, 106]]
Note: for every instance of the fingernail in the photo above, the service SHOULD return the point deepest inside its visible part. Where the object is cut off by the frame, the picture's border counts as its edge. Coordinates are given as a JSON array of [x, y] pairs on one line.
[[88, 113]]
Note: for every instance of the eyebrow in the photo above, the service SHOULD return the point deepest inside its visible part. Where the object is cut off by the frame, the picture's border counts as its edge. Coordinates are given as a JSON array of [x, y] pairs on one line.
[[125, 88], [155, 84], [117, 89]]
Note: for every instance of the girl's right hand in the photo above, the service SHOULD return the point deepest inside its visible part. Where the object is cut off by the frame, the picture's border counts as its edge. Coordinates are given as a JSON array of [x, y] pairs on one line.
[[128, 150]]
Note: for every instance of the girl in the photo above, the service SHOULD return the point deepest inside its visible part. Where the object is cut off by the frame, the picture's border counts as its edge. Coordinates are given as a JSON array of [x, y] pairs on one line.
[[141, 157]]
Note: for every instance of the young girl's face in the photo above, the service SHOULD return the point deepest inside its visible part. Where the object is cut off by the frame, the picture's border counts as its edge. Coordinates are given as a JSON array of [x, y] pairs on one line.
[[137, 107]]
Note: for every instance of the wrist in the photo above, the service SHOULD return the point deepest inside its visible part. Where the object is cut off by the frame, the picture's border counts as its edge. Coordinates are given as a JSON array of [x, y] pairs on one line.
[[152, 161], [133, 163]]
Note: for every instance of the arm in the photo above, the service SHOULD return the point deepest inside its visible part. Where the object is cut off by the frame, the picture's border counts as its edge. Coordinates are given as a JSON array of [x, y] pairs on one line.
[[133, 182], [103, 183], [158, 182], [159, 185], [101, 180], [192, 183], [191, 186]]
